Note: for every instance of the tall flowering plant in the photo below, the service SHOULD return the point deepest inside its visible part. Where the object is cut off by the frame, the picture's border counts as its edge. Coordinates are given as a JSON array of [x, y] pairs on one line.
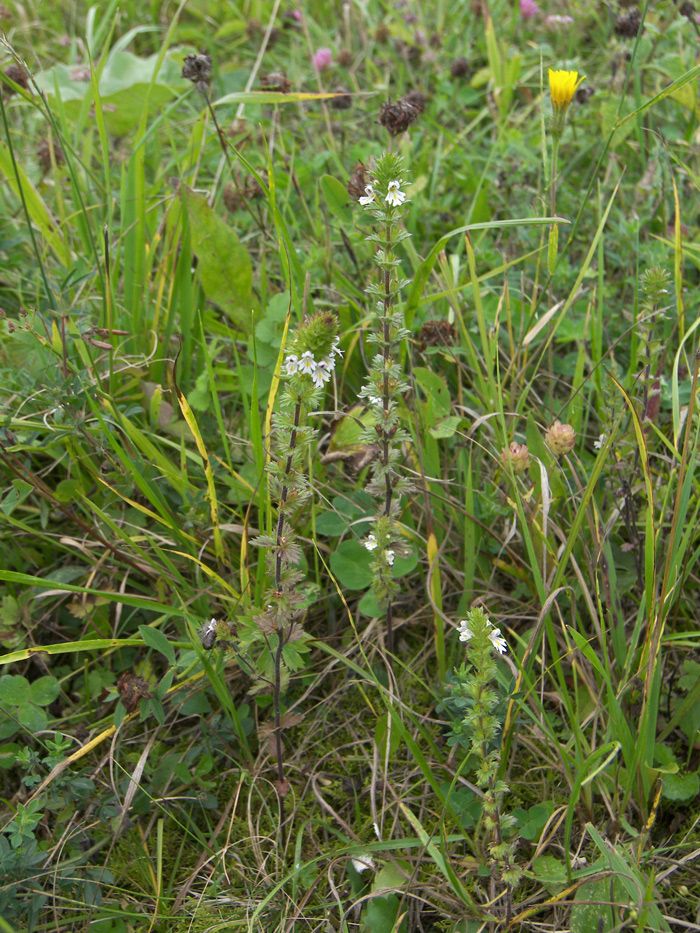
[[383, 200], [480, 726], [271, 642]]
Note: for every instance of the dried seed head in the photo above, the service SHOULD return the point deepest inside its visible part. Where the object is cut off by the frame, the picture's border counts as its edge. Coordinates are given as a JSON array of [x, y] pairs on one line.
[[276, 81], [358, 180], [197, 69], [627, 25], [396, 118], [382, 33], [460, 68], [344, 101], [687, 9], [17, 74], [345, 58], [417, 98], [436, 333]]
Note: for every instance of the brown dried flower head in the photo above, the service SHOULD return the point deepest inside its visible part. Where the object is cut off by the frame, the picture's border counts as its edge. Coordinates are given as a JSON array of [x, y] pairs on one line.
[[560, 438], [382, 33], [358, 180], [417, 98], [436, 333], [517, 456], [345, 58], [17, 74], [197, 69], [627, 25], [276, 81], [343, 101], [397, 117], [460, 68]]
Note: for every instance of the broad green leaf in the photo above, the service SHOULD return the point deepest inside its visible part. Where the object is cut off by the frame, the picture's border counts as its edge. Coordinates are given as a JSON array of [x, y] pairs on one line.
[[19, 492], [158, 641], [14, 690], [682, 787], [350, 565], [44, 690], [224, 264], [36, 208], [434, 390], [446, 427], [337, 198], [32, 717]]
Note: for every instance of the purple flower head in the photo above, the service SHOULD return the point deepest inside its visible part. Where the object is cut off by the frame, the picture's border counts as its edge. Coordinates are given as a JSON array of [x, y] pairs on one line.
[[528, 9], [323, 58]]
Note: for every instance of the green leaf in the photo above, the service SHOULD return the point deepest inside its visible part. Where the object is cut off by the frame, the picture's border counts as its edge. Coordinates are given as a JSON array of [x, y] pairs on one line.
[[447, 427], [337, 198], [331, 524], [350, 565], [436, 392], [379, 916], [550, 872], [224, 264], [681, 787], [32, 717], [19, 492], [44, 690], [158, 641], [14, 690], [586, 917]]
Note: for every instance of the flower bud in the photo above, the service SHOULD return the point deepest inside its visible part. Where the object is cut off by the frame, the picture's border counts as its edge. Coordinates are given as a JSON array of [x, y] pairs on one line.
[[517, 456], [560, 438]]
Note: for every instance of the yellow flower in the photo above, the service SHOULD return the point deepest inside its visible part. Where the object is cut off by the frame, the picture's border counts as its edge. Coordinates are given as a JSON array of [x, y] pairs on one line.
[[562, 87]]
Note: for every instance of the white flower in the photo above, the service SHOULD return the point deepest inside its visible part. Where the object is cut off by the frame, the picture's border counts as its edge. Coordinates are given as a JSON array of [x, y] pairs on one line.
[[307, 363], [292, 364], [318, 379], [390, 555], [370, 196], [465, 633], [599, 443], [395, 195], [375, 400], [497, 640], [335, 349], [362, 863], [370, 542], [327, 363]]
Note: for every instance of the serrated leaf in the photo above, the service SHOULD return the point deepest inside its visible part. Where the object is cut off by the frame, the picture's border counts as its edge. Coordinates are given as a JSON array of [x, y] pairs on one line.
[[225, 268], [158, 641]]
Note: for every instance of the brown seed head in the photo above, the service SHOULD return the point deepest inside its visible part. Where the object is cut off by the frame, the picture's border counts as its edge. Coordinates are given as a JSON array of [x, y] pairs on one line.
[[345, 58], [460, 68], [17, 74], [344, 102], [44, 152], [382, 33], [276, 81], [197, 69], [358, 180], [396, 118], [627, 25]]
